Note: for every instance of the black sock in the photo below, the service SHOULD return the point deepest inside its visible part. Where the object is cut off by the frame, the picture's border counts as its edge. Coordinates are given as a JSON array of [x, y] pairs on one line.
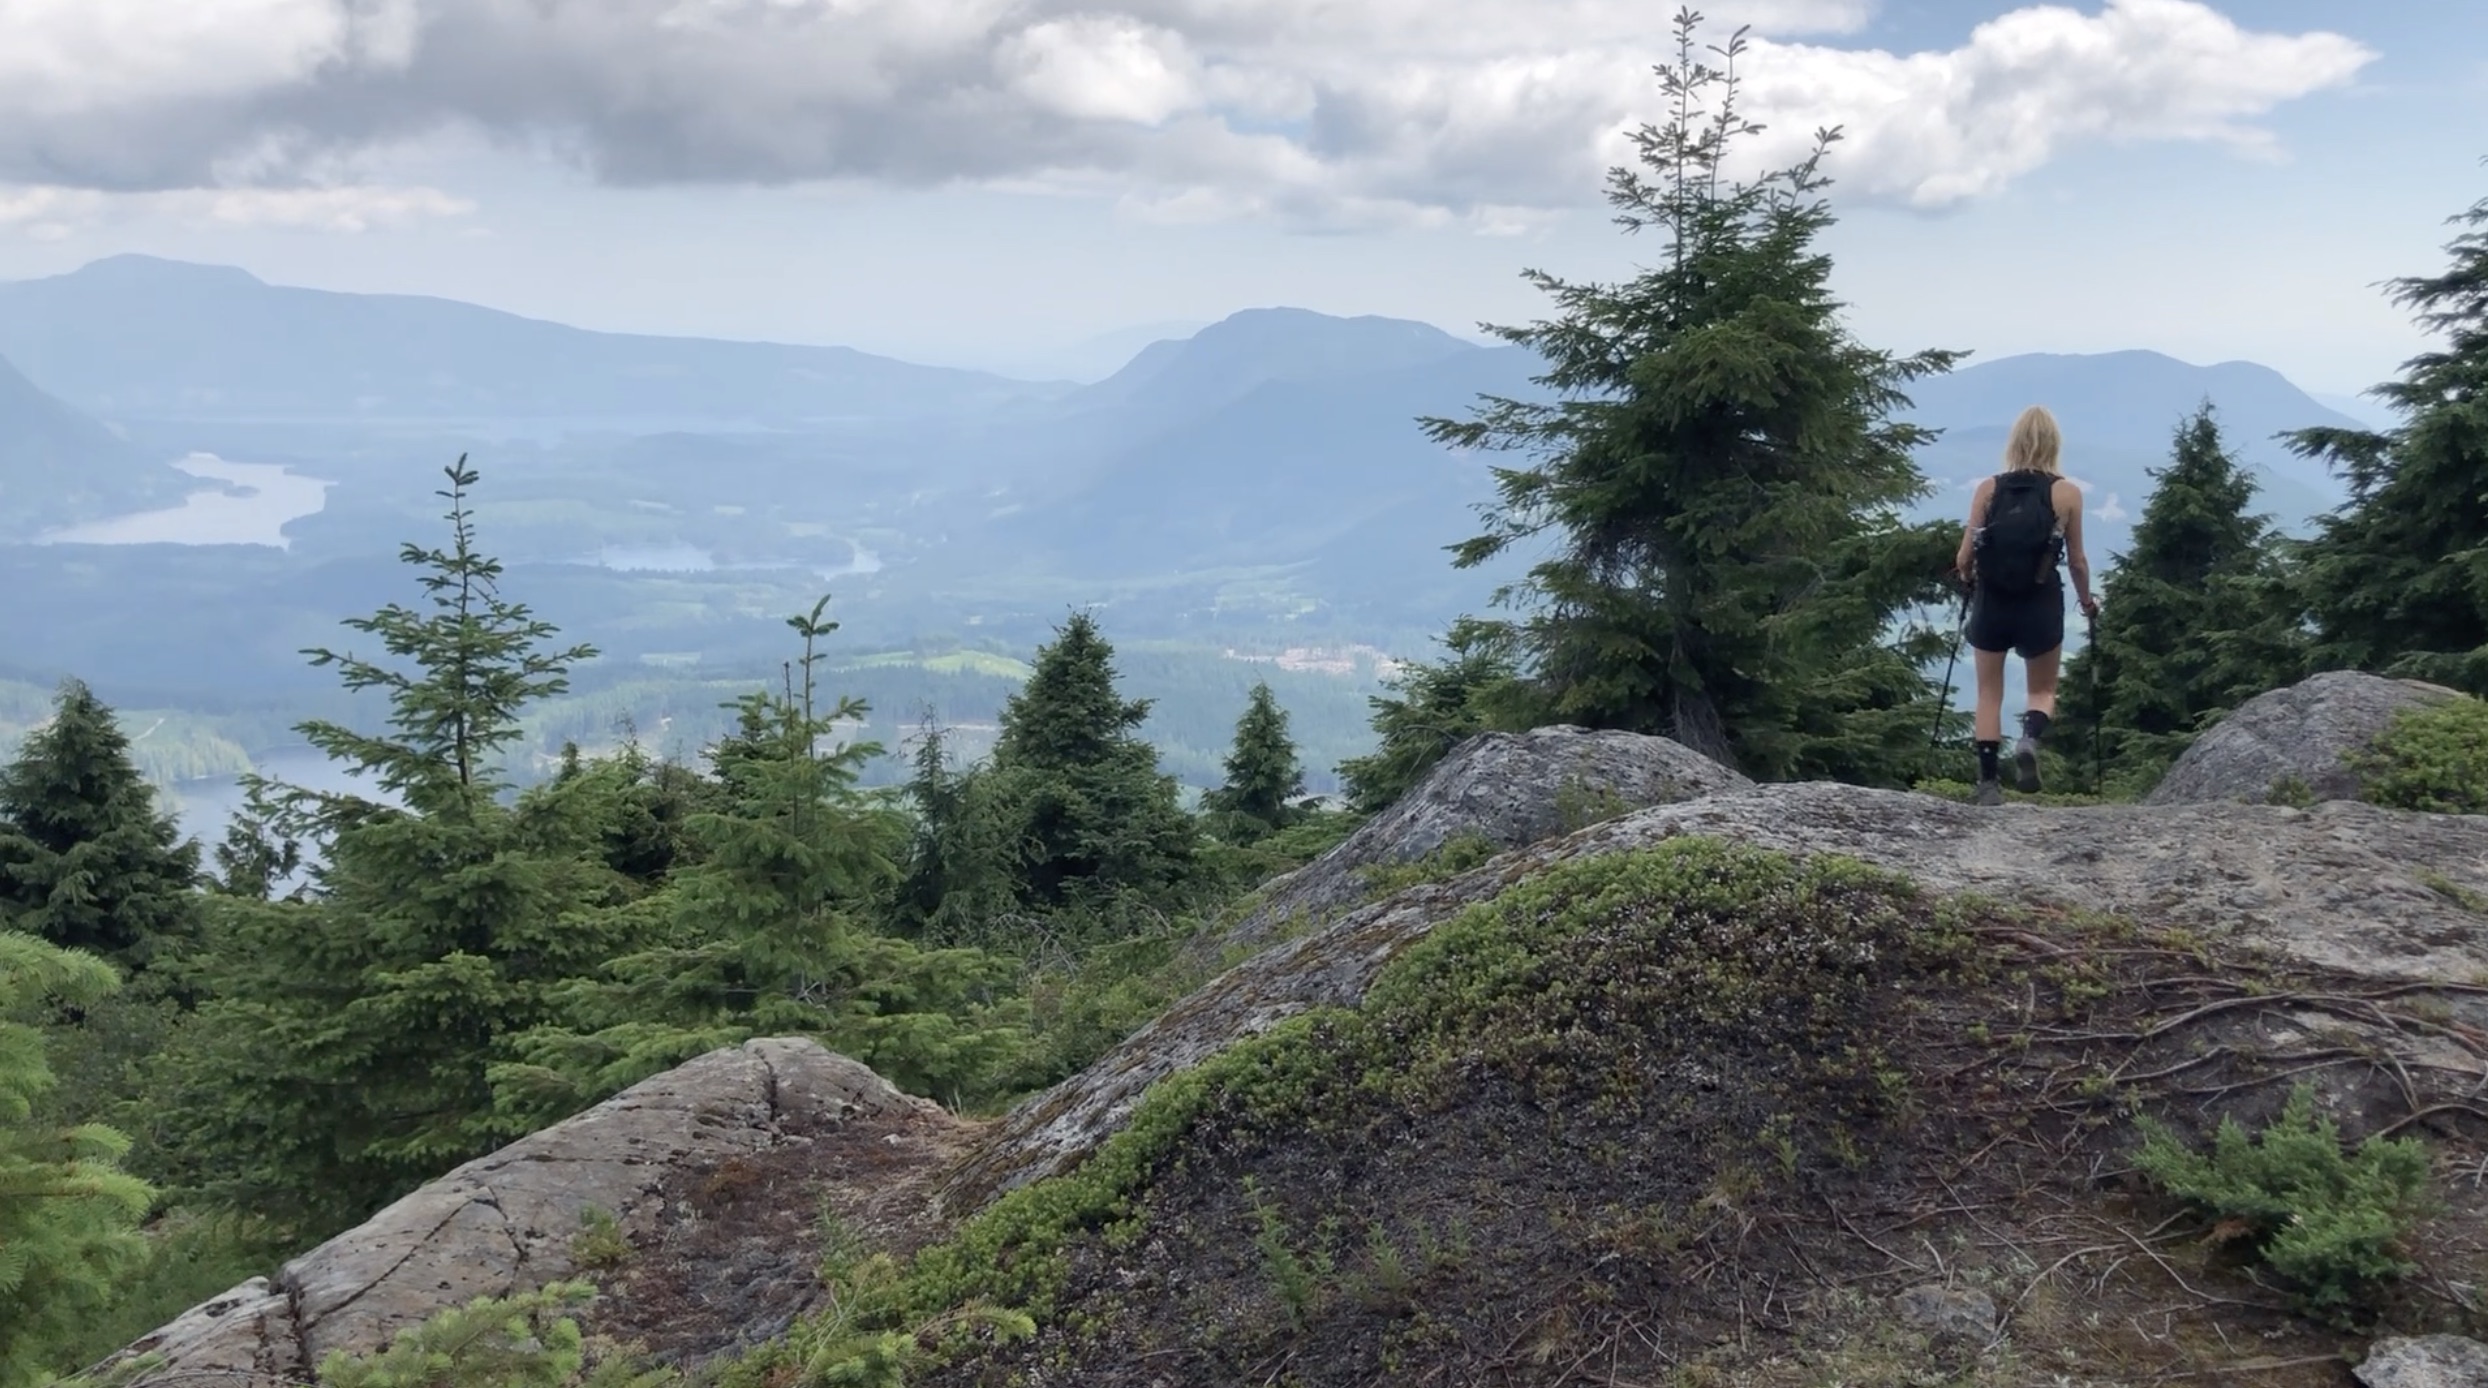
[[1987, 754], [2035, 725]]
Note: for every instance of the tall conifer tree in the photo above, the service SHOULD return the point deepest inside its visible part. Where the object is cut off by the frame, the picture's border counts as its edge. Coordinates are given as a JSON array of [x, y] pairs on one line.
[[346, 1057], [1263, 771], [1088, 810], [2188, 631], [2398, 579], [87, 858], [1721, 476], [960, 861]]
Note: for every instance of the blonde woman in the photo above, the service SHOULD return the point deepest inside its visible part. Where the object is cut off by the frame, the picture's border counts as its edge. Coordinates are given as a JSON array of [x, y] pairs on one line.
[[2022, 522]]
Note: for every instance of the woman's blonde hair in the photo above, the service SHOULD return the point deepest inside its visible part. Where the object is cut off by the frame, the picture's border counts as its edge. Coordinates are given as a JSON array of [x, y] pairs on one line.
[[2034, 444]]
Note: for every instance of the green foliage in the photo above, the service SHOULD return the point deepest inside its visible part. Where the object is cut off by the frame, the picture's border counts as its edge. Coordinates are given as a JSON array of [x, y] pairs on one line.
[[770, 932], [1721, 477], [2200, 614], [1456, 855], [87, 859], [479, 660], [600, 1245], [1078, 791], [961, 863], [342, 1054], [1081, 1006], [68, 1213], [853, 1345], [1242, 867], [525, 1341], [1300, 1279], [1264, 776], [2327, 1221], [257, 854], [2292, 790], [2398, 579], [1433, 708], [1576, 981], [189, 1258], [2433, 758]]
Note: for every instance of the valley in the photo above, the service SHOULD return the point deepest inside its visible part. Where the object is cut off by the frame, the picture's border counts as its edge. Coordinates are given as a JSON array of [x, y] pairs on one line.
[[1258, 487]]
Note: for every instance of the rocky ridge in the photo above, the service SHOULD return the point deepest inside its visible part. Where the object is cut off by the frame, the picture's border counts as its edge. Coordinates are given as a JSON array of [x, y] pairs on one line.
[[507, 1222], [2356, 890]]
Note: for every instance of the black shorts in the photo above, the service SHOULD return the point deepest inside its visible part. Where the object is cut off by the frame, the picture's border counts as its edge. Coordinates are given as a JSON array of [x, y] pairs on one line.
[[2028, 626]]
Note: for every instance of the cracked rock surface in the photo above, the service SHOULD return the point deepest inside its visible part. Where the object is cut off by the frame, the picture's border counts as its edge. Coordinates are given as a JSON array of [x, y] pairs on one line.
[[2378, 893], [504, 1222]]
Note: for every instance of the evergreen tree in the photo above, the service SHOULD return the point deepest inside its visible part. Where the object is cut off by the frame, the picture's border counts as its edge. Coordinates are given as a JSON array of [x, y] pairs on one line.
[[477, 659], [1720, 474], [1434, 707], [960, 864], [770, 932], [68, 1213], [256, 854], [1263, 772], [2398, 579], [2190, 633], [87, 860], [1086, 807], [345, 1055]]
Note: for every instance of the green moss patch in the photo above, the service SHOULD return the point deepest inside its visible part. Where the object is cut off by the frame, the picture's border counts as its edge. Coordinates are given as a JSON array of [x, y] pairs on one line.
[[1659, 1109]]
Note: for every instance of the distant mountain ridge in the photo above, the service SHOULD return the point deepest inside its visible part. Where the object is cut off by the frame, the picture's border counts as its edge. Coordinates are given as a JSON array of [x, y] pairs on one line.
[[2119, 412], [1276, 440], [135, 336], [1229, 359], [58, 466], [1290, 441]]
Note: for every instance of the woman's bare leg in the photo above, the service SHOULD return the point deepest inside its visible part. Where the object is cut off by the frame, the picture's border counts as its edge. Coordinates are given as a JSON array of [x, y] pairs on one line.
[[1989, 724], [2042, 670]]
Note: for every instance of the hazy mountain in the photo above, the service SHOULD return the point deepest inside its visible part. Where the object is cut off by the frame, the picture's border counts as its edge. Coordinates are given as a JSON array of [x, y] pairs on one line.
[[1286, 471], [2119, 411], [58, 466], [1230, 359], [1287, 438], [135, 336]]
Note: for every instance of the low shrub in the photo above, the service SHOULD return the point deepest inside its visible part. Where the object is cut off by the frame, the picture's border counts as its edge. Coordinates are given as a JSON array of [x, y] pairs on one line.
[[2432, 758], [2327, 1220]]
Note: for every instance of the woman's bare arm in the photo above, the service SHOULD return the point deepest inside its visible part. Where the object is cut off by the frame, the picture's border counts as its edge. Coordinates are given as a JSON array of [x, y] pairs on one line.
[[2077, 560], [1978, 509]]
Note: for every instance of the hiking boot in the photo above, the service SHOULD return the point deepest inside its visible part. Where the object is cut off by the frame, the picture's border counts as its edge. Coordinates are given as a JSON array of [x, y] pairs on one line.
[[1989, 793], [2026, 765]]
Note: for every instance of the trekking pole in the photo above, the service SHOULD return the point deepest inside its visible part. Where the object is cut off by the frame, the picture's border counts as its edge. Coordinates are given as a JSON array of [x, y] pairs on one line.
[[2099, 716], [1935, 734]]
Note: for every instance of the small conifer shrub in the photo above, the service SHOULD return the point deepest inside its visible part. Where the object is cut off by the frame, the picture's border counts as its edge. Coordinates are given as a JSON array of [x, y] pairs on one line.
[[2432, 758], [2330, 1221]]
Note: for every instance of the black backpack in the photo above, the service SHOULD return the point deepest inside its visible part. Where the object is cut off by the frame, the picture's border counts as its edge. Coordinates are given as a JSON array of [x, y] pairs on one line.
[[2016, 548]]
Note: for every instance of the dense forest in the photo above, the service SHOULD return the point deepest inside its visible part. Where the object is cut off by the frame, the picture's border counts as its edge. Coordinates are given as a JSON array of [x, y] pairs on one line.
[[208, 1060]]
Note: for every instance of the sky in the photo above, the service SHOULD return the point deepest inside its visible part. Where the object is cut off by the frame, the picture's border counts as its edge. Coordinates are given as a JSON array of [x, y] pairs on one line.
[[999, 182]]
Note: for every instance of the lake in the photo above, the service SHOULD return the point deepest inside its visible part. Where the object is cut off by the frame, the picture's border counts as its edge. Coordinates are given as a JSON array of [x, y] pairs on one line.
[[269, 496]]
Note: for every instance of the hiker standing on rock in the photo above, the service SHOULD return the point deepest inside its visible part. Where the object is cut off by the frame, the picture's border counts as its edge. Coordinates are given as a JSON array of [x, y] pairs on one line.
[[2022, 520]]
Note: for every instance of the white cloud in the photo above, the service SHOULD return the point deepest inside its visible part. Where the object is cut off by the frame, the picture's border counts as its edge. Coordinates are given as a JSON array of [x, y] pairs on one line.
[[53, 212], [1102, 67], [1936, 128], [1469, 112]]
